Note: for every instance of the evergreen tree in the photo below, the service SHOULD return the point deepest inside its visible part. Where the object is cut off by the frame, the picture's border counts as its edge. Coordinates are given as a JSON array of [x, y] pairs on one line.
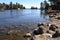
[[46, 5], [41, 6], [11, 5]]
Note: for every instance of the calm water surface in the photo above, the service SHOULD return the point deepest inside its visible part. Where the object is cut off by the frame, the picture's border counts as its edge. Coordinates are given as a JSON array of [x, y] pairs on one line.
[[22, 18]]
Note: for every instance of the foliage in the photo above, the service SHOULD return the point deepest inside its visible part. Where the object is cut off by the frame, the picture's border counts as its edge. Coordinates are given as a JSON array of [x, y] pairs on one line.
[[41, 6], [11, 6], [46, 5], [55, 4]]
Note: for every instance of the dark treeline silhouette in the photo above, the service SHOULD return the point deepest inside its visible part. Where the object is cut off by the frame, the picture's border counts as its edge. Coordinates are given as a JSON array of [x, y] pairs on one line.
[[11, 6], [55, 4], [34, 7]]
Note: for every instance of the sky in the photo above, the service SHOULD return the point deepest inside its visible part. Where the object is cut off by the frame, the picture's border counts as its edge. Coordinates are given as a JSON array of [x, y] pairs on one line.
[[26, 3]]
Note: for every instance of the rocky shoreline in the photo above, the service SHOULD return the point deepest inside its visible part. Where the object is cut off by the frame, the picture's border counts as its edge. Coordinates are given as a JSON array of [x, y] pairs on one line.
[[46, 31]]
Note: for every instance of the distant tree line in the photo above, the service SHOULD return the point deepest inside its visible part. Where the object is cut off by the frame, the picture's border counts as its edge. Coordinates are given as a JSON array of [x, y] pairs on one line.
[[11, 6]]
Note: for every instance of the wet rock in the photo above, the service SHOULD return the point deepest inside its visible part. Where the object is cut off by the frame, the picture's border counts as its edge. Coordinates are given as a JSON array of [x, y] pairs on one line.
[[38, 31], [53, 27]]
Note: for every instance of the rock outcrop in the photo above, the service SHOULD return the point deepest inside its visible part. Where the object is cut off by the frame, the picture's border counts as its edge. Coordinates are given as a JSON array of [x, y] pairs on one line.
[[45, 32]]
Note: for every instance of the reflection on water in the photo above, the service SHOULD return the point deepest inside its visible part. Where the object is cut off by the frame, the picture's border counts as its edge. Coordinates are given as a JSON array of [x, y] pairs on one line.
[[25, 17]]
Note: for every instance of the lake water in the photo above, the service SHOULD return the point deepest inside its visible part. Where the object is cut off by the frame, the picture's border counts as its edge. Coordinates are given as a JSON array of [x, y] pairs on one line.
[[21, 18]]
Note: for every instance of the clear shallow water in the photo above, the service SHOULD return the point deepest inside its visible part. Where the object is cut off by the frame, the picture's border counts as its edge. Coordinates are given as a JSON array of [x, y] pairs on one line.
[[25, 17]]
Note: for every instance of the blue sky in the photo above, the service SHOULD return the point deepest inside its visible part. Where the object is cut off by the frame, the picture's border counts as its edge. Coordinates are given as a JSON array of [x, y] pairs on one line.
[[26, 3]]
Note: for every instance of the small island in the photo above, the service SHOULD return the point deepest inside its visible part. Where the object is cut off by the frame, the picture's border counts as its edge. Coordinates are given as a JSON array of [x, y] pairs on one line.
[[34, 7]]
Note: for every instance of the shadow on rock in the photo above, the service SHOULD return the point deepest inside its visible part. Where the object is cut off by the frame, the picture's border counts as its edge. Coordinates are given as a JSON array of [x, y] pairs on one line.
[[53, 27], [38, 31], [57, 34]]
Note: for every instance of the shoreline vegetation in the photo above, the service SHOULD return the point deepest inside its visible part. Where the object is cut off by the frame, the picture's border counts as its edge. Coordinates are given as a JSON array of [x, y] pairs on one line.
[[4, 6], [11, 6]]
